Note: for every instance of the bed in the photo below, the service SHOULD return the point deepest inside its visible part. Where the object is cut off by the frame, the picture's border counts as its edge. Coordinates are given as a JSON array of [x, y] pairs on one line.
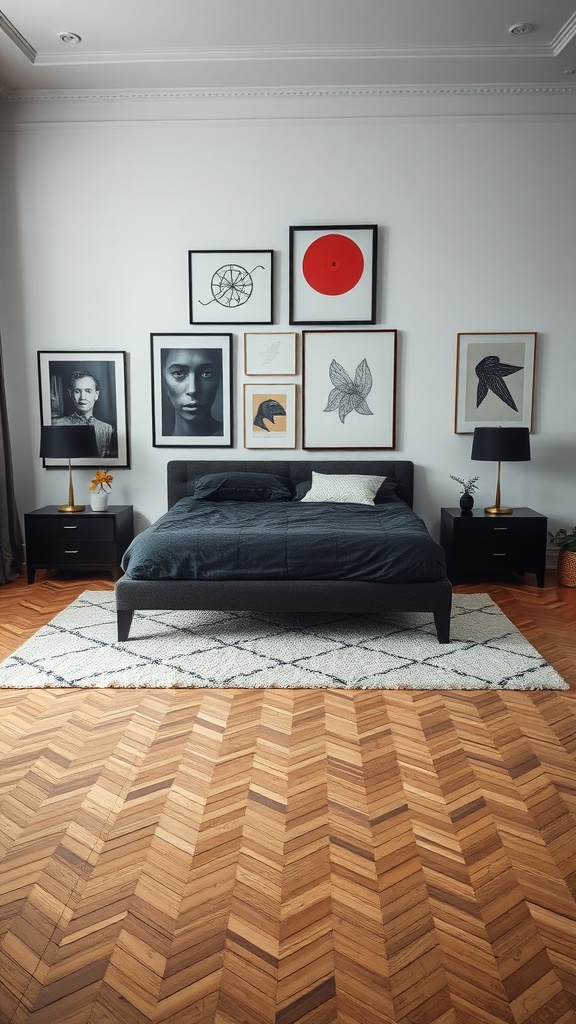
[[194, 570]]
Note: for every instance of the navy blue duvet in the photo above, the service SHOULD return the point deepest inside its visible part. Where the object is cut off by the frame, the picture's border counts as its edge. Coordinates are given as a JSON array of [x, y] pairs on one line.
[[286, 540]]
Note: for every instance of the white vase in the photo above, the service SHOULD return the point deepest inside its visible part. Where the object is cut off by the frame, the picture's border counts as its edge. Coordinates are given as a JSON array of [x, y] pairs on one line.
[[99, 501]]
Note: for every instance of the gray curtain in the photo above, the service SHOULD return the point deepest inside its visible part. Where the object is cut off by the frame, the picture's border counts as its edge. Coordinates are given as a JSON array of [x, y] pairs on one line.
[[11, 551]]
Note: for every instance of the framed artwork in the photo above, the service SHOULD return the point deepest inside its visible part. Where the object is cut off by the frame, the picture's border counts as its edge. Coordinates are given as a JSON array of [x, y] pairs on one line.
[[86, 388], [349, 390], [333, 274], [230, 286], [191, 390], [266, 354], [494, 380], [270, 415]]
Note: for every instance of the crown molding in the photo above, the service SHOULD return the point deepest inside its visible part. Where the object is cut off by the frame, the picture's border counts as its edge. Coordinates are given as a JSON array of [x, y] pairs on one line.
[[289, 92], [564, 36], [287, 53]]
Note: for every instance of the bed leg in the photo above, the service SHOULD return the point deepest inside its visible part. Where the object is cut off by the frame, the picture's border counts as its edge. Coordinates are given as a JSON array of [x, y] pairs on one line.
[[442, 622], [124, 619]]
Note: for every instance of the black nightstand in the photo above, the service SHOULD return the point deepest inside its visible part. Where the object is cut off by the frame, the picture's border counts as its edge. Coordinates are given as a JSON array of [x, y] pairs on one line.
[[77, 540], [476, 543]]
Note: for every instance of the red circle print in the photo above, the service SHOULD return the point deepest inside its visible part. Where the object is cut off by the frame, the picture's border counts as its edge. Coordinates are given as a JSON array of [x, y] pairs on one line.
[[333, 264]]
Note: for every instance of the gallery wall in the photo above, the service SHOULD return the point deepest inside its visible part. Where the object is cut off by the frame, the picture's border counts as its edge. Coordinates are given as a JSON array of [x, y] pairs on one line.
[[476, 223]]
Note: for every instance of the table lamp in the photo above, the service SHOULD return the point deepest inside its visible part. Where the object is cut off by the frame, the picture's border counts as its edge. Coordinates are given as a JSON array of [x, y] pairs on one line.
[[76, 442], [500, 444]]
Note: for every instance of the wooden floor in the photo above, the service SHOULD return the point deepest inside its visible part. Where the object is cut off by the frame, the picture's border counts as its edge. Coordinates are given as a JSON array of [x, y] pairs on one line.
[[296, 857]]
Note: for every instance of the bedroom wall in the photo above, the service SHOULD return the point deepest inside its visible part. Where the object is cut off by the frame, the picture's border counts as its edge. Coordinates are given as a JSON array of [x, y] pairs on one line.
[[478, 229]]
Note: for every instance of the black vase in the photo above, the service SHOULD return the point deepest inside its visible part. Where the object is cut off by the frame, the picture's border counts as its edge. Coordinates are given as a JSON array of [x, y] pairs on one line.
[[466, 502]]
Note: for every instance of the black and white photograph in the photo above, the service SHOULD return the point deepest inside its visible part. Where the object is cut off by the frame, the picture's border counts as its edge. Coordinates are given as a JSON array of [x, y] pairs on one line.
[[231, 286], [349, 390], [494, 380], [86, 389], [191, 390]]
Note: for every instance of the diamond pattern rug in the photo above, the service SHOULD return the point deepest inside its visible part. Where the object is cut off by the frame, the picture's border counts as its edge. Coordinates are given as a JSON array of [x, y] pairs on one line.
[[245, 649]]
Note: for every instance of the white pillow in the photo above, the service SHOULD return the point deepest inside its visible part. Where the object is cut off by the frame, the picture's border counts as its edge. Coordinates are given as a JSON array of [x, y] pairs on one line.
[[343, 487]]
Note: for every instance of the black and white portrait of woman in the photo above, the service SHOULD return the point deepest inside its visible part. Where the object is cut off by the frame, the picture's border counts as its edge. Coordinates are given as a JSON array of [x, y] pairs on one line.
[[191, 390]]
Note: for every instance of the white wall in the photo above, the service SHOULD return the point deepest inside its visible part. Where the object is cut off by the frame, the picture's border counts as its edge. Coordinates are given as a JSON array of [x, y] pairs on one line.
[[478, 225]]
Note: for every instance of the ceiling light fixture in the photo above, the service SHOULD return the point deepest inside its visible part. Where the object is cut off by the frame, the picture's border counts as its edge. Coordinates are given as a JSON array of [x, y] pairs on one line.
[[521, 29], [69, 37]]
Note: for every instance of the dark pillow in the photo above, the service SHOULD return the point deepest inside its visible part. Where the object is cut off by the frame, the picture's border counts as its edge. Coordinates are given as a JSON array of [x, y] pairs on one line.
[[243, 487], [387, 490]]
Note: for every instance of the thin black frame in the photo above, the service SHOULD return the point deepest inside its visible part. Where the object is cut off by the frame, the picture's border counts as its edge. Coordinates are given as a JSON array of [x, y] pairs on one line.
[[110, 370], [333, 304], [161, 439], [202, 279]]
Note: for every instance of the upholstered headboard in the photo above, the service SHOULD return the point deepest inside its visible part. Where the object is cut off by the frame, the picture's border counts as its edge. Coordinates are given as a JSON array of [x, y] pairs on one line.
[[181, 475]]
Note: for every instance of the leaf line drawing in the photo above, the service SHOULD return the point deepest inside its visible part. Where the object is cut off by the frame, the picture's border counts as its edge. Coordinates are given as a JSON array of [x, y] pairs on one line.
[[349, 395]]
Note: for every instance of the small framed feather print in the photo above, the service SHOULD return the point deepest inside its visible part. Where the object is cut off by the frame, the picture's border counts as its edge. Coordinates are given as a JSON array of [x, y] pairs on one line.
[[494, 380], [267, 353]]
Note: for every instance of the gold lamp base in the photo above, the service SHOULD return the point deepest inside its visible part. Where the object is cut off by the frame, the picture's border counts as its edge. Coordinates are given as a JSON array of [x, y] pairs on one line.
[[497, 509], [71, 506]]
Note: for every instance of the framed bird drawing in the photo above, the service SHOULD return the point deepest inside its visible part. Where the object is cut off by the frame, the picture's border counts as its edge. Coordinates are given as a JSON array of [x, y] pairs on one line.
[[270, 415], [494, 380]]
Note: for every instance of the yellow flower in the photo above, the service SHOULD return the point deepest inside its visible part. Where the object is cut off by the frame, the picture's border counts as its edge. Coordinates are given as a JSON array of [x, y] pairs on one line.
[[102, 480]]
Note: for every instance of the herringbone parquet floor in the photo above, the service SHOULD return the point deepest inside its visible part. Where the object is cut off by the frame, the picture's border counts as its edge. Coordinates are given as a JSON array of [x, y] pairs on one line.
[[289, 857]]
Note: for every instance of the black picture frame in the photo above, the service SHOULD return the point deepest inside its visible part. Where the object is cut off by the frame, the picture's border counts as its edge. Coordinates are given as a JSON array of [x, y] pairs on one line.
[[58, 372], [231, 286], [333, 274], [181, 418]]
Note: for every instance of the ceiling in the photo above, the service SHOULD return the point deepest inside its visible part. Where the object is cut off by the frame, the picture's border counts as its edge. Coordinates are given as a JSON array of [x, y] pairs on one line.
[[283, 44]]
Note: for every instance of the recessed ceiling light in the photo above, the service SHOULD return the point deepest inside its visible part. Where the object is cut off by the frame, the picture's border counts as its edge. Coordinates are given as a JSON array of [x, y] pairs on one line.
[[69, 37], [521, 29]]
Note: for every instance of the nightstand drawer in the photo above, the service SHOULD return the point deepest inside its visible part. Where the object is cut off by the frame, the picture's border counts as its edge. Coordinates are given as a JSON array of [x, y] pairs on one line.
[[64, 530], [495, 530], [85, 552], [490, 556]]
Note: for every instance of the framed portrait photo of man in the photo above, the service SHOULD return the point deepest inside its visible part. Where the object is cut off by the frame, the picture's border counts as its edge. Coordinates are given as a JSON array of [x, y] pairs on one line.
[[191, 390], [86, 388]]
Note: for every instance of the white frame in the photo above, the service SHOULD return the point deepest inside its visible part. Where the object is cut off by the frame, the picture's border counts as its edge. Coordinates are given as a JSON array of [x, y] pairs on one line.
[[269, 353], [273, 436], [514, 348], [322, 426]]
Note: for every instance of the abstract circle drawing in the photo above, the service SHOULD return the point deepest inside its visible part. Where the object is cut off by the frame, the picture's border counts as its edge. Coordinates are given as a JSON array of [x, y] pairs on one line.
[[231, 285], [333, 264]]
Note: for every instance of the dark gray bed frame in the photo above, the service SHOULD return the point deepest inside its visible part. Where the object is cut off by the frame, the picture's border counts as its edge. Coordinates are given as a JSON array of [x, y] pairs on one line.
[[285, 595]]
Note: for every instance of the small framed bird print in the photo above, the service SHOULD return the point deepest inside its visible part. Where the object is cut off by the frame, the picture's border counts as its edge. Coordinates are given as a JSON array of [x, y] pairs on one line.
[[270, 415], [494, 380]]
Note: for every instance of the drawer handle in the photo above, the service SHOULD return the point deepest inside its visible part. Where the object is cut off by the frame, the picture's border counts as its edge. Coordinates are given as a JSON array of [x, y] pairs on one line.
[[499, 554], [70, 527], [500, 528], [67, 551]]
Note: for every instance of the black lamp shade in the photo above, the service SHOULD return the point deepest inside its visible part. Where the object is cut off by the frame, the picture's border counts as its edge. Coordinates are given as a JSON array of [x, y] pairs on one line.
[[501, 444], [75, 442]]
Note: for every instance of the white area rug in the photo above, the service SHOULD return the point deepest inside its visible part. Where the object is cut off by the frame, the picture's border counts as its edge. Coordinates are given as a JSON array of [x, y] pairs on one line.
[[241, 649]]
